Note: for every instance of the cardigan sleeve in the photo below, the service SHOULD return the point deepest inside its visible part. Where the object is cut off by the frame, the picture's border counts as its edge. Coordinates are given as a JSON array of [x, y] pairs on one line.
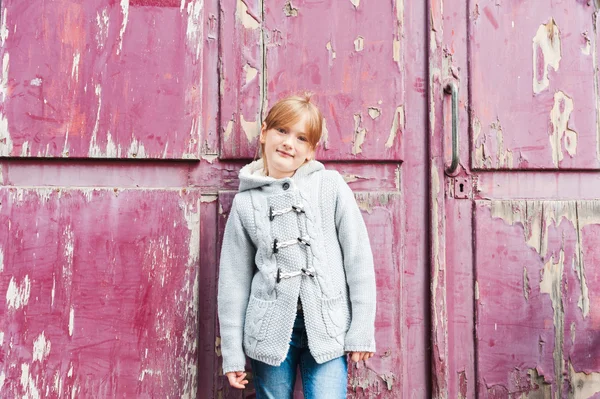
[[360, 273], [235, 277]]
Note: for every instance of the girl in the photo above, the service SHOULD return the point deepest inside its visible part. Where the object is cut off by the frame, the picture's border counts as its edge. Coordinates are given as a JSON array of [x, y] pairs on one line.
[[296, 279]]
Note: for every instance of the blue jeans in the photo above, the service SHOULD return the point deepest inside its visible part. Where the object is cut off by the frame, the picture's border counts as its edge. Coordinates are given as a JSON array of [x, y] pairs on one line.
[[319, 381]]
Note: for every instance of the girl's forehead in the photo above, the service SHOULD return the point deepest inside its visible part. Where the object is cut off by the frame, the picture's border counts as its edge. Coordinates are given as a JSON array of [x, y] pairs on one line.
[[301, 123]]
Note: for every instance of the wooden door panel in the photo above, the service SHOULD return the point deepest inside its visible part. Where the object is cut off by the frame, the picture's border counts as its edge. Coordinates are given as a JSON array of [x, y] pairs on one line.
[[241, 77], [533, 86], [356, 72], [101, 289], [352, 57], [537, 289], [102, 79]]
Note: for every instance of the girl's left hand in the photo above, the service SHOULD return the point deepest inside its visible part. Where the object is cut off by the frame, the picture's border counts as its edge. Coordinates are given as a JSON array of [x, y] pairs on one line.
[[358, 356]]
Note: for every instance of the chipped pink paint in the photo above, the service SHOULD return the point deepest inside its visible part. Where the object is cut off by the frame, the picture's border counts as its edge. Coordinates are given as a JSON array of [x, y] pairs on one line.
[[111, 302]]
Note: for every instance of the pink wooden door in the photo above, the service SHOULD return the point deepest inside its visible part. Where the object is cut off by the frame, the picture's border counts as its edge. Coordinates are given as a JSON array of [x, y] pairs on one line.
[[365, 64], [122, 127], [515, 282], [99, 240]]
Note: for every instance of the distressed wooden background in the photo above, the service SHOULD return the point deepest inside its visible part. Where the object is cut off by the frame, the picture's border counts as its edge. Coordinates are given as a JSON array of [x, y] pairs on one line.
[[123, 125]]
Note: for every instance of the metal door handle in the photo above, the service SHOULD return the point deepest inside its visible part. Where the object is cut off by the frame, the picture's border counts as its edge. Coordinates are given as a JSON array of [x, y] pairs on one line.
[[452, 89]]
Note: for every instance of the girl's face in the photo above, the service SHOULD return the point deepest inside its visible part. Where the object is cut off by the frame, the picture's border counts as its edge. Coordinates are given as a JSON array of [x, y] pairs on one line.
[[285, 150]]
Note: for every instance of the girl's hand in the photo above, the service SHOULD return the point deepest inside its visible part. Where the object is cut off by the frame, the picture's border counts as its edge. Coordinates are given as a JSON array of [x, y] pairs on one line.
[[236, 379], [358, 356]]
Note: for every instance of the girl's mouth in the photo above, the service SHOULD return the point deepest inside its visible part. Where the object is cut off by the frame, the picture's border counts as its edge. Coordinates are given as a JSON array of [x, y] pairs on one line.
[[285, 154]]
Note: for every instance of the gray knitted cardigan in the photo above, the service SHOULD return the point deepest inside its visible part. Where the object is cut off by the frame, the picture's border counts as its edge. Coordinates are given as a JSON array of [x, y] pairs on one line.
[[300, 237]]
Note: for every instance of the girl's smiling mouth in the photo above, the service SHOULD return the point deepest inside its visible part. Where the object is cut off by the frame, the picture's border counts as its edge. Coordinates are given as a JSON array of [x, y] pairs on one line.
[[284, 154]]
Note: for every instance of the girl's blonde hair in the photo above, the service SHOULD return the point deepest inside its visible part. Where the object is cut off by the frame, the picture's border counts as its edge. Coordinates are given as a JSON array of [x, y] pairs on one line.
[[287, 111]]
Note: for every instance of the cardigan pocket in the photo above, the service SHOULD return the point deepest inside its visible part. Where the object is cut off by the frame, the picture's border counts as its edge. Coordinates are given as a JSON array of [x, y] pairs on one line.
[[258, 317], [336, 315]]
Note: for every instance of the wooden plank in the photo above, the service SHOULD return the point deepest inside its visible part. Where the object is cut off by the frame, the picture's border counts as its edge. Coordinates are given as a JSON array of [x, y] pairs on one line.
[[101, 291], [102, 79], [534, 85]]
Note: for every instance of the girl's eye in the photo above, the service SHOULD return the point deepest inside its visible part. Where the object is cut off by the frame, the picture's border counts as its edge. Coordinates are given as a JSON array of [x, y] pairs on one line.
[[302, 138], [281, 130]]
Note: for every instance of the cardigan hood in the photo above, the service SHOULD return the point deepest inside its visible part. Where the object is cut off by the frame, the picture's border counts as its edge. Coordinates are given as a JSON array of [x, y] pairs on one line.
[[253, 175]]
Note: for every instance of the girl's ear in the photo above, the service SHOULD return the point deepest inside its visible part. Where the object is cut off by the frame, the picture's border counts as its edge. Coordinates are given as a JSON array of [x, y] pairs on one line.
[[263, 133]]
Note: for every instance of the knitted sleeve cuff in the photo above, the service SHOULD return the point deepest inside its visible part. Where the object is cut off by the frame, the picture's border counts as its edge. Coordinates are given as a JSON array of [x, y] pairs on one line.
[[233, 368], [360, 348]]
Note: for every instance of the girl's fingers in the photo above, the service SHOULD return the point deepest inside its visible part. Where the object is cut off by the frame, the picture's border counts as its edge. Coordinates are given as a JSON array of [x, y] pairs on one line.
[[234, 380], [240, 376], [355, 356]]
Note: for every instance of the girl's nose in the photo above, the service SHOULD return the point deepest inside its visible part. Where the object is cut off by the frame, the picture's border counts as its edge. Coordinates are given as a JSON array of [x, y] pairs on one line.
[[288, 140]]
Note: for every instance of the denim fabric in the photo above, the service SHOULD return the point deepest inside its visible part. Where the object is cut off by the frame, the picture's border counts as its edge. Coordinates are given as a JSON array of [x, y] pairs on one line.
[[320, 381]]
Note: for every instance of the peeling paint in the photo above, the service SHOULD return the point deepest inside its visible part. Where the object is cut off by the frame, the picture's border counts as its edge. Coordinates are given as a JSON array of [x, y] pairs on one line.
[[71, 320], [210, 157], [397, 123], [540, 388], [102, 34], [250, 73], [94, 150], [355, 3], [25, 151], [504, 157], [3, 29], [396, 50], [526, 287], [6, 144], [75, 68], [546, 54], [587, 44], [583, 385], [551, 284], [535, 217], [17, 295], [561, 134], [207, 198], [242, 14], [388, 379], [250, 128], [351, 178], [437, 266], [359, 43], [194, 30], [572, 333], [1, 263], [192, 216], [331, 51], [125, 10], [359, 135], [374, 112], [41, 348], [399, 35], [136, 149], [368, 201], [325, 135], [28, 383], [228, 129], [480, 159], [289, 10]]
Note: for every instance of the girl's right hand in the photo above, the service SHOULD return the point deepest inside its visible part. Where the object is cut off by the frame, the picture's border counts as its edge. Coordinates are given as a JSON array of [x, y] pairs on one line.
[[236, 379]]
